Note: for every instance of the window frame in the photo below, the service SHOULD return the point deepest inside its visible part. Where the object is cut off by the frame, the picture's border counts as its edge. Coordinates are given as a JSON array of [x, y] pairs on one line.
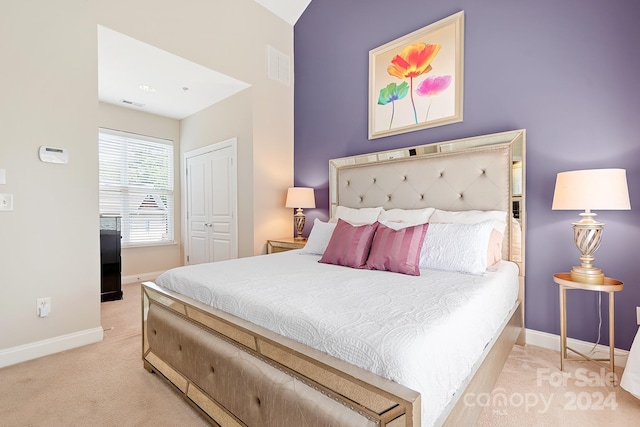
[[129, 193]]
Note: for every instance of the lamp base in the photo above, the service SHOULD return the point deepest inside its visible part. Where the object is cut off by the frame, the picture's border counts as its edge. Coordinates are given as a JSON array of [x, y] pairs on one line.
[[591, 275], [586, 235], [299, 220]]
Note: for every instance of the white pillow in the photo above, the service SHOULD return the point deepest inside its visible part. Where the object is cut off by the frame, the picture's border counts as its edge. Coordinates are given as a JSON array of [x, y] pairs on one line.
[[412, 216], [319, 237], [499, 218], [456, 247], [358, 216], [469, 217]]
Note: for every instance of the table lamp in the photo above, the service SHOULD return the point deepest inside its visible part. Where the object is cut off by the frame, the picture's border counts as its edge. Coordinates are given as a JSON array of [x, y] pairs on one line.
[[592, 189], [299, 198]]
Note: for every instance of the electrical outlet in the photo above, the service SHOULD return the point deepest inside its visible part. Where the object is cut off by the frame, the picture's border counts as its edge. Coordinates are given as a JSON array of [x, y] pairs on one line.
[[43, 306], [6, 202], [638, 315]]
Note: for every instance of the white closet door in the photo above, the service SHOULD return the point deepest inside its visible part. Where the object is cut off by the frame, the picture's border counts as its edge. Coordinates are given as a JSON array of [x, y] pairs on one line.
[[222, 238], [211, 203], [198, 190]]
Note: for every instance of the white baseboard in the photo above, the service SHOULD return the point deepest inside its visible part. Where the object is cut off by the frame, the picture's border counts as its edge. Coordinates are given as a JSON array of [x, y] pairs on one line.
[[143, 277], [552, 342], [22, 353]]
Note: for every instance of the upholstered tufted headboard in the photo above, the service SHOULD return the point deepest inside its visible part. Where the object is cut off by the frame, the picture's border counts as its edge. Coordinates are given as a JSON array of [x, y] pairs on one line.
[[476, 179], [472, 173]]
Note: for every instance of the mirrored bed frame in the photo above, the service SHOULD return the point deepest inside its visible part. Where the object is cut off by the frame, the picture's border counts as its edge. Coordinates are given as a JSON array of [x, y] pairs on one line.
[[202, 351]]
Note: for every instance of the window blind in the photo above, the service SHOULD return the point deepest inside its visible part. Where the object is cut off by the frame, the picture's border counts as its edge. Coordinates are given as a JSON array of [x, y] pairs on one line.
[[136, 182]]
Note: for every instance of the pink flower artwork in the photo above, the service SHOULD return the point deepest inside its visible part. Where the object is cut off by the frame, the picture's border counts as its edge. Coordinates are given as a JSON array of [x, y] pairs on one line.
[[432, 86]]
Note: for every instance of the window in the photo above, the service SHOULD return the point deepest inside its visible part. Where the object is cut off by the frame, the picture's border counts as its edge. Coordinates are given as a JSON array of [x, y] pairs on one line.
[[136, 182]]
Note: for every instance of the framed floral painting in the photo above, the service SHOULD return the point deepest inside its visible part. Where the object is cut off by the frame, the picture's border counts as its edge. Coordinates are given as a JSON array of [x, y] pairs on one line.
[[415, 82]]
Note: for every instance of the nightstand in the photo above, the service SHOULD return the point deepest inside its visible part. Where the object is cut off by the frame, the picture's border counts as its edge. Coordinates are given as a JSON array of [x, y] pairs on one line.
[[286, 244], [610, 286]]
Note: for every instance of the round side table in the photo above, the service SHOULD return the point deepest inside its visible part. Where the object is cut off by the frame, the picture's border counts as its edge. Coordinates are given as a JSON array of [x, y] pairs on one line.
[[610, 286]]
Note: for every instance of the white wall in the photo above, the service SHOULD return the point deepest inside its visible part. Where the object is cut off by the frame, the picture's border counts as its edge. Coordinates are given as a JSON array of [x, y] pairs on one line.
[[49, 245], [264, 169], [230, 118], [230, 37]]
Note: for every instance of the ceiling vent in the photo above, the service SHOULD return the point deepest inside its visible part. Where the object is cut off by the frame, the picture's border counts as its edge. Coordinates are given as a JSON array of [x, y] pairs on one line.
[[134, 104], [278, 65]]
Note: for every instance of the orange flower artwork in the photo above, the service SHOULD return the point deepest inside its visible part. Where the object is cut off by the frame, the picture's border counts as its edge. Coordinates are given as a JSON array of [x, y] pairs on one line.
[[413, 61], [427, 64]]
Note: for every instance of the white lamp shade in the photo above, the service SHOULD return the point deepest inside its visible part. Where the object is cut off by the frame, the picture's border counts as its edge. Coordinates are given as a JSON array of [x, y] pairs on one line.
[[592, 189], [300, 197]]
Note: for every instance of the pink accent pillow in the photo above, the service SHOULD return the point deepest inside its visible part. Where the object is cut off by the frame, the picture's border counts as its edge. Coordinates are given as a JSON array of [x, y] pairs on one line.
[[349, 244], [397, 250], [494, 251]]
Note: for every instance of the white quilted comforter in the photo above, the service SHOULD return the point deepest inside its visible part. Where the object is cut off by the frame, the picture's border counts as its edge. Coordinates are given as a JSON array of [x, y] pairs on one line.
[[425, 332]]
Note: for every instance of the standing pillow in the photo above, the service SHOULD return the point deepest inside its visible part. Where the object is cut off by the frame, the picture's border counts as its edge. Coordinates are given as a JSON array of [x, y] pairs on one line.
[[467, 217], [358, 216], [457, 247], [349, 244], [319, 237], [411, 216], [397, 250]]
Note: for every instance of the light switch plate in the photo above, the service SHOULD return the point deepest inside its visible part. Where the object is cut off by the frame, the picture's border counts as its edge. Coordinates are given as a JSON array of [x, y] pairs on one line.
[[6, 202], [638, 315]]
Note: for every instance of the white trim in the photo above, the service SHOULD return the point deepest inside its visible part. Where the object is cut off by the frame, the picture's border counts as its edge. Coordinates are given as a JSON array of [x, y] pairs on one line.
[[143, 277], [34, 350], [129, 135], [552, 342]]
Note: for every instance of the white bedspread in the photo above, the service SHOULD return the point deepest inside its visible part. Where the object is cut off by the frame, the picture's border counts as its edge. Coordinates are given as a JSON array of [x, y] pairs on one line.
[[425, 332]]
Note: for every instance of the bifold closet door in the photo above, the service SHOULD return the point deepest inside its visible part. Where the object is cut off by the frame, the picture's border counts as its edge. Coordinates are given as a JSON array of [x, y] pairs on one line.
[[211, 205]]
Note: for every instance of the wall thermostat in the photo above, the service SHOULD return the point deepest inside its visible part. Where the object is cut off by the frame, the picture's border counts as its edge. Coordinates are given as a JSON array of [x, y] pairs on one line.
[[54, 155]]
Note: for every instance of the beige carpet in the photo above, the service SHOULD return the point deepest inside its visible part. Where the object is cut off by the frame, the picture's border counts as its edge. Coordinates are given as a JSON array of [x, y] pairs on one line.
[[532, 391], [104, 384]]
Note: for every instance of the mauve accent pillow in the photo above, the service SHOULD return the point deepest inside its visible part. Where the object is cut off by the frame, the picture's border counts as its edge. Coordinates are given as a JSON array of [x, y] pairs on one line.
[[494, 250], [397, 250], [349, 244]]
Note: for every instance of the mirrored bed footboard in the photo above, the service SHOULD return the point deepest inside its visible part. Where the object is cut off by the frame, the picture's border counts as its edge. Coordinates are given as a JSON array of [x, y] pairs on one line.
[[237, 373]]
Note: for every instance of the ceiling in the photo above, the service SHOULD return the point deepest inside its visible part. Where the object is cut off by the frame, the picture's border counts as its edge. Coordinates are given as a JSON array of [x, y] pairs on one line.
[[289, 10], [139, 76], [136, 75]]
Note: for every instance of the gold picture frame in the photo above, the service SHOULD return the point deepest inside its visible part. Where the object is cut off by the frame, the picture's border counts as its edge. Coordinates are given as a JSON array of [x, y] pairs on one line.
[[416, 81]]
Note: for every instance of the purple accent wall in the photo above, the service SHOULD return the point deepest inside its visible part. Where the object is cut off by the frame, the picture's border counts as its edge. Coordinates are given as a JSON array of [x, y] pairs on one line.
[[566, 71]]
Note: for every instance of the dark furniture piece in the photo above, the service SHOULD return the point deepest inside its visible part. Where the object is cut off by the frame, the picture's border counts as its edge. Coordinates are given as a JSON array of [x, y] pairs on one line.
[[110, 266]]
